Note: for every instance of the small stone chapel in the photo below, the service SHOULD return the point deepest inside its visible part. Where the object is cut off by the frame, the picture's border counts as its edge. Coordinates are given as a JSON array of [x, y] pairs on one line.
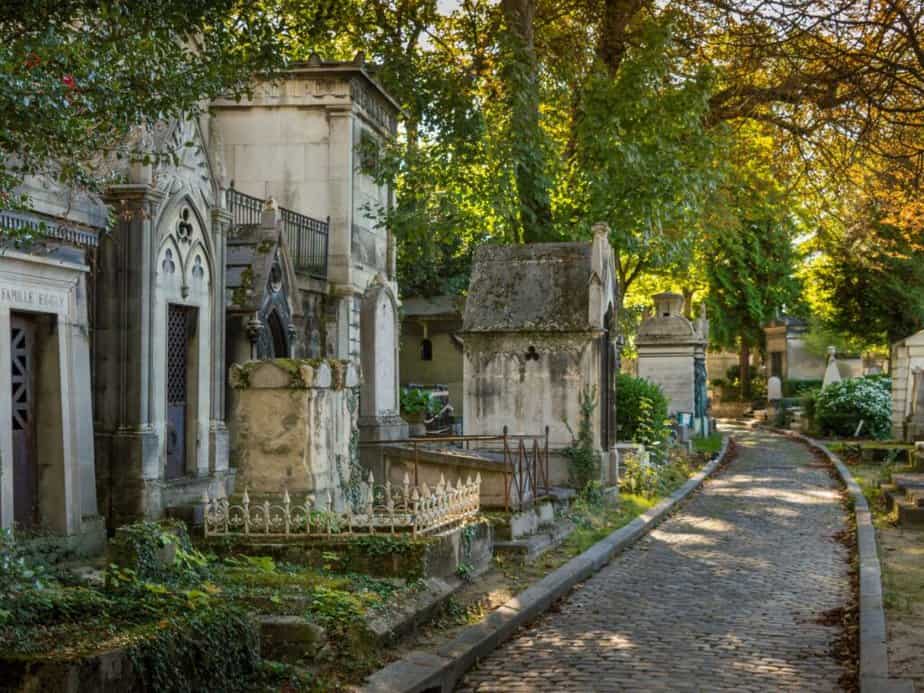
[[539, 327]]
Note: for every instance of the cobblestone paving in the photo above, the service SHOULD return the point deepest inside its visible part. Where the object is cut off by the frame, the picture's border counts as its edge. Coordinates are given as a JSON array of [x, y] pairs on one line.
[[726, 594]]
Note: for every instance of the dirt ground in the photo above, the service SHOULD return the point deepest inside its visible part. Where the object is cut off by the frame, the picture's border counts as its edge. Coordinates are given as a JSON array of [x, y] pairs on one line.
[[901, 553], [902, 556]]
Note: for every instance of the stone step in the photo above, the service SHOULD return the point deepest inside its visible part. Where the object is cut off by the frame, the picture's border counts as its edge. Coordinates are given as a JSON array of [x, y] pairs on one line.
[[910, 514], [527, 549], [908, 481], [285, 637], [890, 492]]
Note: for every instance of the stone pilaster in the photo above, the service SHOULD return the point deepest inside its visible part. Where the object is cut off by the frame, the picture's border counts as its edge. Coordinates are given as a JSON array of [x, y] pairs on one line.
[[124, 354], [340, 195], [218, 431]]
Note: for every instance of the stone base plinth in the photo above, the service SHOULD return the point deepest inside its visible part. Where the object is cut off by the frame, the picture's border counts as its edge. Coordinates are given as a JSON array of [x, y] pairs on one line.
[[293, 426]]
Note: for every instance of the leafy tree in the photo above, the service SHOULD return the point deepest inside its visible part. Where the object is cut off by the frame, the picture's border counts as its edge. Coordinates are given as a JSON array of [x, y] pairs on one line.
[[751, 267], [872, 283], [644, 162], [77, 75]]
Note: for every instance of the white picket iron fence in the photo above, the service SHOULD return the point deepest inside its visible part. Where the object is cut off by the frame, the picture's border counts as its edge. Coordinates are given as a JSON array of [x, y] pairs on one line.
[[386, 508]]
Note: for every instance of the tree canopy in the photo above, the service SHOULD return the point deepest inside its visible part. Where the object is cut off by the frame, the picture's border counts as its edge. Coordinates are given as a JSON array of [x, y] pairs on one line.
[[77, 75], [530, 120]]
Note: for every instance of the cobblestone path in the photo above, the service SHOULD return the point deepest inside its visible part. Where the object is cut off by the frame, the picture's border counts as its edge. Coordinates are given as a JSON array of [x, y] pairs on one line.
[[727, 594]]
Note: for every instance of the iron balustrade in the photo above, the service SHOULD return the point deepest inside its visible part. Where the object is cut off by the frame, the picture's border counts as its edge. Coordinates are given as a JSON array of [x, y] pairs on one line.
[[307, 241], [306, 238], [246, 210]]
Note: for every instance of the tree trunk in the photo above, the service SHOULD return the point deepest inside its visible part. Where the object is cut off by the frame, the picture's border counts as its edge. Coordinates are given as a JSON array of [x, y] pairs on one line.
[[744, 370], [522, 77], [688, 302], [612, 39]]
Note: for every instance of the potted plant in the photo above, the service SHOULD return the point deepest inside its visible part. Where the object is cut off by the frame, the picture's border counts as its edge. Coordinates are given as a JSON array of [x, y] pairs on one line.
[[415, 405]]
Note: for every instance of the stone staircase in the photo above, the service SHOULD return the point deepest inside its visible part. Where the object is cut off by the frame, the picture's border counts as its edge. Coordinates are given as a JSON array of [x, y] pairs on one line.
[[526, 535]]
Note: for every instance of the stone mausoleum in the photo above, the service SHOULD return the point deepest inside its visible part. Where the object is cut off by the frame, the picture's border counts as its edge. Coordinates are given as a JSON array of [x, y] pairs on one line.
[[47, 474], [672, 354], [539, 327], [253, 235], [310, 142]]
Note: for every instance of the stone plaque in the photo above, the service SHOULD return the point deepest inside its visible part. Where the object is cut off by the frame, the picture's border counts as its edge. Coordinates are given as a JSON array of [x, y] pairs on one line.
[[35, 299]]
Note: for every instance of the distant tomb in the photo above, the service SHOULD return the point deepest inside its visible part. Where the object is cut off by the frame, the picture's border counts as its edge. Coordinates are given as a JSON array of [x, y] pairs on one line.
[[672, 354], [907, 371]]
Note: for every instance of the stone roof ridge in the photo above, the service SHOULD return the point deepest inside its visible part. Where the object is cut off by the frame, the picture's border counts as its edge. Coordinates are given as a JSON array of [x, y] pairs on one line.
[[544, 287]]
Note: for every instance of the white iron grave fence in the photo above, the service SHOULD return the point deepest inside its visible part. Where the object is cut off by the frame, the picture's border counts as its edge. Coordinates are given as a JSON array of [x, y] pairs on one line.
[[386, 508]]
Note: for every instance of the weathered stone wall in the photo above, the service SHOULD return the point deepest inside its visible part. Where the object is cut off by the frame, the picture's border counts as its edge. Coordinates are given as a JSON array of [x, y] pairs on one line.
[[294, 427], [800, 363], [526, 381], [671, 367]]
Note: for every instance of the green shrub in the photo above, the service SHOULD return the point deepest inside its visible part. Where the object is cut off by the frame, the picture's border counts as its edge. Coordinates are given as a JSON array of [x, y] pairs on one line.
[[795, 388], [583, 458], [840, 407], [641, 411]]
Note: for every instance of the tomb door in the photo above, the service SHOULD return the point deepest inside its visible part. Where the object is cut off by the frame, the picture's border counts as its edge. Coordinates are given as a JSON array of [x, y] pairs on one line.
[[25, 467], [180, 321]]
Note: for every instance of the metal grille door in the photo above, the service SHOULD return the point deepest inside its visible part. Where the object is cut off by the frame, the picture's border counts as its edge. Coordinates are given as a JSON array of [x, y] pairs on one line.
[[178, 321], [25, 476]]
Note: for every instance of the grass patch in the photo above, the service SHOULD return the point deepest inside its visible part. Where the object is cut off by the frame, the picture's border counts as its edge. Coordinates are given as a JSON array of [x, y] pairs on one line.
[[708, 445]]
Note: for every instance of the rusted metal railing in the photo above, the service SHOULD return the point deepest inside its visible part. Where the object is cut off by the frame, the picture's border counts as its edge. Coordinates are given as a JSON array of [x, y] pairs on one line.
[[525, 459]]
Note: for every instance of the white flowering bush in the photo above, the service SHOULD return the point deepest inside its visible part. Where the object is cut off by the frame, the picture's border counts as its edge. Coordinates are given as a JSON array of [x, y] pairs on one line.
[[840, 408]]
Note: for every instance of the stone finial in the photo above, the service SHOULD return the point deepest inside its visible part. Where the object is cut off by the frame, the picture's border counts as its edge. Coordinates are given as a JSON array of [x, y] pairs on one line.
[[832, 352], [314, 60], [601, 228], [359, 59], [270, 215]]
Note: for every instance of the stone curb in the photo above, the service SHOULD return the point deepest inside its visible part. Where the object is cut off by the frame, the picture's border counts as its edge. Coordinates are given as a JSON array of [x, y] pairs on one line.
[[874, 653], [425, 671]]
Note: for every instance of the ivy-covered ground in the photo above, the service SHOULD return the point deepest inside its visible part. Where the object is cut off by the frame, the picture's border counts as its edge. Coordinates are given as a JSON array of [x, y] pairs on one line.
[[901, 555], [184, 617]]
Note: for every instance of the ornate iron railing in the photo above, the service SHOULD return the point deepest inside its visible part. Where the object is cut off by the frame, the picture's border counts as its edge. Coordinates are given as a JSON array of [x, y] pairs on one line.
[[383, 509], [307, 238], [307, 241], [246, 210]]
